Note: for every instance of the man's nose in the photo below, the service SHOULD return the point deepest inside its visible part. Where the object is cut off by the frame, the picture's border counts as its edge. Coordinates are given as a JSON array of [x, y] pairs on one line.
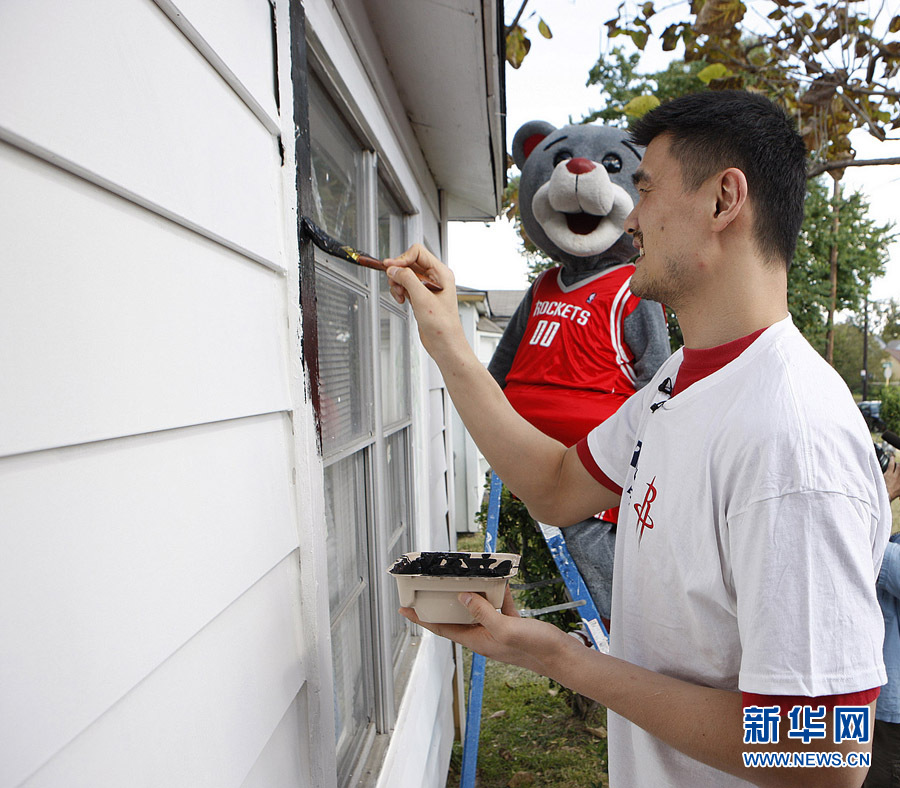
[[631, 223]]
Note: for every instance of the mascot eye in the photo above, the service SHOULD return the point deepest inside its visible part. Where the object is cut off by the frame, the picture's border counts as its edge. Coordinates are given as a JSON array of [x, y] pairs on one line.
[[612, 162], [562, 155]]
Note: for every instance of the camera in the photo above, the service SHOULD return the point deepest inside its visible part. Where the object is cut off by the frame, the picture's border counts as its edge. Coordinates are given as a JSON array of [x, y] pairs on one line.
[[884, 458]]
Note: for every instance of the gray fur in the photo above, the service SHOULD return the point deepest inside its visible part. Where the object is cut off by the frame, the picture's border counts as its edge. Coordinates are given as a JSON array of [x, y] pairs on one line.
[[540, 150]]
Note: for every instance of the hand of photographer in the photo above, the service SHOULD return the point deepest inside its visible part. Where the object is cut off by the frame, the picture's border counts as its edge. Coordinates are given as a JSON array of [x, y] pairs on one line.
[[892, 479]]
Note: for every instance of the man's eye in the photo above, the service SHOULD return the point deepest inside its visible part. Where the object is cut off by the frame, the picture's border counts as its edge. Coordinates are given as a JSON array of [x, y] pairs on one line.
[[562, 155], [612, 162]]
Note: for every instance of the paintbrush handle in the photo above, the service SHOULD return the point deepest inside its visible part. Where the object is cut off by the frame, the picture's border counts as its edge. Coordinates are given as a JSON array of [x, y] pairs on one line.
[[380, 265]]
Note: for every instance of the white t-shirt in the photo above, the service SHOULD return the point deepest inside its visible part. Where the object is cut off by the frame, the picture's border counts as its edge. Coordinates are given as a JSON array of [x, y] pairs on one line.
[[750, 535]]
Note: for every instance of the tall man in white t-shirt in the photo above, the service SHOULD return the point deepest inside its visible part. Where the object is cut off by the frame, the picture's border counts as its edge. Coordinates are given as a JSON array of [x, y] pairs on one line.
[[753, 515]]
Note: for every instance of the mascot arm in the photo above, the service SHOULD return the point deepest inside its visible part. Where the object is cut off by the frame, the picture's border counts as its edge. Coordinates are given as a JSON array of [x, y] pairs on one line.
[[647, 337], [502, 360]]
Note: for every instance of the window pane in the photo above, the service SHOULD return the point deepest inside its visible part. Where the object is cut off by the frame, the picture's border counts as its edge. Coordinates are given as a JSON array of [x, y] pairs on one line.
[[348, 597], [352, 685], [391, 229], [394, 366], [397, 510], [336, 176], [344, 360], [345, 518]]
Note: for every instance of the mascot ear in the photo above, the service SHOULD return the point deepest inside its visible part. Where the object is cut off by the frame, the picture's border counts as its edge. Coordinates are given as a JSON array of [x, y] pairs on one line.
[[528, 137]]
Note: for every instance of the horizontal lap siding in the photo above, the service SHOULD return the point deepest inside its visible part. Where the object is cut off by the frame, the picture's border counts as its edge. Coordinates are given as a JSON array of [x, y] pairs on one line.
[[115, 555], [115, 92], [237, 38], [284, 762], [124, 322], [210, 733], [149, 576]]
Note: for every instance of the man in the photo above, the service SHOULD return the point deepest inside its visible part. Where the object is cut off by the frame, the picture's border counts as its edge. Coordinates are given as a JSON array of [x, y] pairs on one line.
[[753, 517]]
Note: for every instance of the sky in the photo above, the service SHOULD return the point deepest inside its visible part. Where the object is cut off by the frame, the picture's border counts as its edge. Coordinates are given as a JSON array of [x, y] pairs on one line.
[[550, 85]]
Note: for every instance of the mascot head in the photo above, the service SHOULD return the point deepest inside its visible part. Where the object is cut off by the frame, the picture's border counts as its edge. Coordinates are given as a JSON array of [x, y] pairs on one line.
[[576, 190]]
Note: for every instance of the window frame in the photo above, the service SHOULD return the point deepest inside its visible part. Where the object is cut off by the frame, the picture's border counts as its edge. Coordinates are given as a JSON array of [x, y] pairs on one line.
[[386, 647]]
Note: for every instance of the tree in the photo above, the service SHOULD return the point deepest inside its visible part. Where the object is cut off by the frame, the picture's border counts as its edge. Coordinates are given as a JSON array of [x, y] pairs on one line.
[[864, 253], [886, 319], [848, 355], [631, 94], [834, 73]]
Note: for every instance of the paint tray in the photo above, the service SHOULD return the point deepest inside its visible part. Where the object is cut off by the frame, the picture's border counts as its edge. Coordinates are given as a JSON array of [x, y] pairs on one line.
[[429, 582]]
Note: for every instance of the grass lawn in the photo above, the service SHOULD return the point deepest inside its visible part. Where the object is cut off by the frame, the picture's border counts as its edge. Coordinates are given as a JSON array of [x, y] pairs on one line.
[[529, 737]]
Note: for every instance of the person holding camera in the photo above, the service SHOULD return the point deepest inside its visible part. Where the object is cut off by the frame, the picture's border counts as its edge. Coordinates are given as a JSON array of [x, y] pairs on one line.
[[885, 769]]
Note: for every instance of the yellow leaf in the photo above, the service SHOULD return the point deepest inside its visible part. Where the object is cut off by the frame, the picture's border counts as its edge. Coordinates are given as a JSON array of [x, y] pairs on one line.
[[714, 71], [517, 46], [640, 106], [544, 29]]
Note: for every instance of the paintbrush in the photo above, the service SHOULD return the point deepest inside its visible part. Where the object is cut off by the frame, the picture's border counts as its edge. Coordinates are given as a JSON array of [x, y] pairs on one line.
[[333, 247]]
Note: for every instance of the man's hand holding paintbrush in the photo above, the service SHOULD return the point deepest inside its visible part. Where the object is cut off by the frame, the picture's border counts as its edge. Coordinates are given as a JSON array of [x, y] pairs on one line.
[[436, 312], [345, 252]]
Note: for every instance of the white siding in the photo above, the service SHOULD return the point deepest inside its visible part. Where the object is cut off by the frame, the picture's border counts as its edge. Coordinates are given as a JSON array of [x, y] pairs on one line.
[[418, 754], [235, 680], [114, 91], [138, 545], [124, 321], [285, 760], [150, 571]]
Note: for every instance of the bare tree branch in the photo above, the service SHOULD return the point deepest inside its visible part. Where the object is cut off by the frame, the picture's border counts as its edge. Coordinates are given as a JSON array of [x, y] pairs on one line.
[[826, 166], [510, 27]]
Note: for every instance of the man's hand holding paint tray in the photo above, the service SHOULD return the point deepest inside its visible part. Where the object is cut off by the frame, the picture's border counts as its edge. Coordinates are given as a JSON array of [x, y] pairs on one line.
[[430, 583]]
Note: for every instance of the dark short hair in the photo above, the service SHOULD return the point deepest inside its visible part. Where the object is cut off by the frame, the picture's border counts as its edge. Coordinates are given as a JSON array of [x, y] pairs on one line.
[[717, 129]]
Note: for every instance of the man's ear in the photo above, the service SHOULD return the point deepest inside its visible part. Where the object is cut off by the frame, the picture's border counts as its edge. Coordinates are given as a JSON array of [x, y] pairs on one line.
[[731, 195]]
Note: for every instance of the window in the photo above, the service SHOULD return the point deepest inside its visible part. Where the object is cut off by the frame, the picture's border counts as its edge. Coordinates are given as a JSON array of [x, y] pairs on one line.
[[364, 387]]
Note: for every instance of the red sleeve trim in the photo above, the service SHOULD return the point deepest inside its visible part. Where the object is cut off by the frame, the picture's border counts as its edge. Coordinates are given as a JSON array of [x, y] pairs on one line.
[[590, 465], [787, 702]]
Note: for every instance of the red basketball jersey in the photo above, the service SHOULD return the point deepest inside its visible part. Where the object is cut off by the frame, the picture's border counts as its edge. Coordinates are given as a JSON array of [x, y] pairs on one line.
[[572, 369]]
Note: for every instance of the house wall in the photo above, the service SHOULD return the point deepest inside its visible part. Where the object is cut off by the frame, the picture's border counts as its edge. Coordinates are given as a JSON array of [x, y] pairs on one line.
[[163, 599]]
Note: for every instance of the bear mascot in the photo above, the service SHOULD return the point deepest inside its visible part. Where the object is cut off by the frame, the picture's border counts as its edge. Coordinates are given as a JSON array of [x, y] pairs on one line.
[[580, 343]]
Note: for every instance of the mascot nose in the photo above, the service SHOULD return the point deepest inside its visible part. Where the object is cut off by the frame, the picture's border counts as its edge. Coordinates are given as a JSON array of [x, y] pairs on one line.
[[580, 166]]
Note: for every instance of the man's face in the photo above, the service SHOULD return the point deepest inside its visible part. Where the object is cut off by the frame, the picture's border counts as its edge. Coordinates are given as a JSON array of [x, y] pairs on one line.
[[663, 225]]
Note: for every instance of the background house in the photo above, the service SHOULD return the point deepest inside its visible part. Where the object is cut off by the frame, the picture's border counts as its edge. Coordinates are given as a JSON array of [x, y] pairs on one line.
[[214, 439], [484, 315], [892, 349]]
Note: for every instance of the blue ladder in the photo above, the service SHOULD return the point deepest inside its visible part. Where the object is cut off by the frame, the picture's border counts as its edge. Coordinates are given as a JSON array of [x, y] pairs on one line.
[[581, 600]]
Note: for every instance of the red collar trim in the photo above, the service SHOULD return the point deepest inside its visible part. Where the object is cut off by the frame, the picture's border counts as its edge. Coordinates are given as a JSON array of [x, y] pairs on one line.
[[698, 364]]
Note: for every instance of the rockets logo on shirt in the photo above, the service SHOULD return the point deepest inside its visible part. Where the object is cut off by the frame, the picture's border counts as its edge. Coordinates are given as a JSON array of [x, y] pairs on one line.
[[644, 520]]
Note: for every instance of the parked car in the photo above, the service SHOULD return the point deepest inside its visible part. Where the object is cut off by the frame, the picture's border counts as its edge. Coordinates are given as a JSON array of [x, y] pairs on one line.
[[871, 411]]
